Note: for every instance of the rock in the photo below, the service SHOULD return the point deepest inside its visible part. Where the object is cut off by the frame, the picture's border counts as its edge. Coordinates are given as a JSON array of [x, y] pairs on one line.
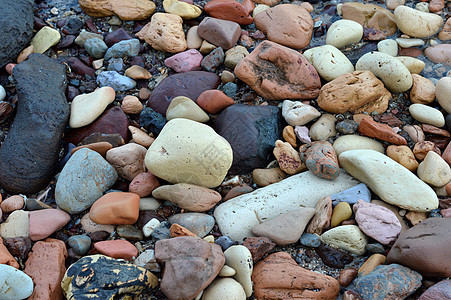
[[434, 170], [289, 135], [371, 263], [423, 90], [183, 107], [45, 222], [208, 152], [115, 208], [297, 113], [404, 156], [115, 80], [141, 137], [224, 287], [116, 36], [6, 258], [18, 246], [265, 177], [410, 21], [95, 47], [189, 84], [332, 257], [416, 217], [426, 114], [356, 142], [323, 128], [321, 159], [404, 188], [152, 121], [278, 276], [346, 237], [414, 65], [390, 70], [83, 180], [213, 101], [86, 35], [341, 212], [440, 290], [239, 258], [85, 108], [131, 105], [346, 276], [16, 225], [293, 77], [176, 230], [126, 48], [237, 216], [41, 84], [128, 160], [17, 18], [185, 61], [183, 9], [371, 128], [14, 283], [110, 278], [80, 244], [231, 10], [12, 203], [388, 46], [377, 222], [310, 240], [343, 33], [234, 55], [148, 261], [137, 72], [415, 133], [198, 223], [193, 40], [143, 184], [439, 54], [242, 126], [44, 39], [91, 227], [352, 195], [259, 247], [421, 149], [136, 10], [390, 281], [221, 33], [445, 33], [190, 265], [46, 266], [322, 217], [117, 249], [329, 61], [288, 158], [443, 93], [150, 226]]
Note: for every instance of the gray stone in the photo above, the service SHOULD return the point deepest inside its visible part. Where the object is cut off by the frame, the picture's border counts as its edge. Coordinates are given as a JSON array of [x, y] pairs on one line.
[[80, 244], [96, 47], [352, 195], [162, 232], [14, 284], [127, 48], [198, 223], [115, 80], [116, 64], [310, 240]]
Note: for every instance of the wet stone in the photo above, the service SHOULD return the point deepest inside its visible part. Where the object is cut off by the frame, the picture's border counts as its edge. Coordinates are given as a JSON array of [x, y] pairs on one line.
[[333, 257], [347, 127]]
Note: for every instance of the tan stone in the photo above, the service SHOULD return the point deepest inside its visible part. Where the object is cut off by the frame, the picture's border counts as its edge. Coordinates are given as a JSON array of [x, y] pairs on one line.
[[371, 263], [131, 105], [140, 137], [137, 72], [322, 217], [126, 10], [423, 90], [421, 149], [12, 203], [434, 170], [265, 177], [128, 160], [412, 22], [288, 158], [404, 156], [340, 213], [183, 9], [416, 217], [289, 135], [178, 230], [116, 208], [24, 54], [445, 33]]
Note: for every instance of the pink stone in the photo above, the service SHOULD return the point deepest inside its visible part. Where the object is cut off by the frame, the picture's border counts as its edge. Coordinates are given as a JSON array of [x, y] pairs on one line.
[[302, 134], [377, 222], [440, 290], [117, 249], [12, 203], [45, 222], [446, 213], [185, 61]]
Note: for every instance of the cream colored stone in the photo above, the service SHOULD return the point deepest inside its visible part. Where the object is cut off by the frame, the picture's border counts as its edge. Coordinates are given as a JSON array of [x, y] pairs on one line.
[[25, 53], [417, 23], [227, 271], [329, 61], [323, 128], [443, 93], [392, 4], [234, 55], [422, 6], [346, 237], [408, 43], [224, 288], [45, 38], [125, 10], [343, 33], [341, 212], [150, 226], [206, 47], [16, 224], [184, 107], [193, 40], [131, 105], [356, 142], [149, 203], [239, 258], [415, 133], [414, 65], [259, 8], [388, 46], [89, 225], [426, 114], [185, 10], [97, 64], [434, 170], [298, 113], [140, 137]]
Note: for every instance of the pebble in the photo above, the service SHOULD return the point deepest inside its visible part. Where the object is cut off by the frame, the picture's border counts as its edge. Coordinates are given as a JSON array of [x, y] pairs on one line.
[[310, 240], [221, 287], [116, 36], [415, 133], [84, 35], [122, 49], [234, 55], [356, 142], [115, 80], [426, 114], [143, 184], [346, 276], [16, 225], [148, 261], [421, 149], [288, 158], [332, 257], [404, 156], [423, 90], [12, 203], [414, 65], [45, 38], [227, 76], [329, 62], [183, 9], [409, 43], [117, 249], [439, 54], [352, 195], [443, 93], [392, 4], [22, 57], [342, 211], [138, 10], [5, 256], [265, 177], [440, 290], [176, 230], [80, 244], [2, 93], [321, 159], [213, 101], [95, 47], [213, 60], [14, 283], [445, 33], [230, 10], [371, 128], [45, 222], [186, 61], [183, 107], [388, 46], [346, 237], [150, 226], [99, 147], [321, 219], [115, 208], [221, 33], [410, 21], [148, 203], [91, 227], [323, 128], [131, 105], [434, 170], [297, 113], [240, 259], [128, 160], [343, 33], [193, 40], [198, 223], [137, 72]]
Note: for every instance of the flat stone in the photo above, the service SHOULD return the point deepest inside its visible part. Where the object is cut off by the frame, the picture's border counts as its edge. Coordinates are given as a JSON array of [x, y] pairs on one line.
[[45, 38], [14, 283], [322, 217], [115, 208], [45, 222], [185, 61], [371, 263], [221, 33], [183, 107], [352, 195], [371, 128], [297, 113], [117, 249], [426, 114], [346, 237], [122, 49], [85, 108], [115, 80], [265, 177], [198, 223]]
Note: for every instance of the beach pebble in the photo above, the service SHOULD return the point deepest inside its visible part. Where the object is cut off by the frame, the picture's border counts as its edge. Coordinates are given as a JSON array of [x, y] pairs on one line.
[[185, 61], [426, 114], [198, 223], [213, 101], [193, 40], [128, 160], [329, 61], [184, 107], [14, 284], [346, 237], [439, 54], [183, 9], [239, 258], [434, 170], [115, 80], [371, 128], [95, 47], [115, 208], [408, 43], [131, 105], [404, 156], [440, 290], [224, 287], [16, 224], [411, 22], [423, 90], [234, 55], [343, 33], [297, 113], [221, 33], [45, 222], [79, 243], [288, 158], [150, 226], [12, 203], [143, 184], [414, 65], [388, 46], [321, 219], [341, 212], [231, 10], [117, 249], [355, 142], [45, 38], [323, 128], [137, 72], [321, 159], [443, 93]]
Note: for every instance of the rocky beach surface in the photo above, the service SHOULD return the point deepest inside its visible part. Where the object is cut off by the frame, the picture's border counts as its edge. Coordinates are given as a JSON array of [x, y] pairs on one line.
[[225, 150]]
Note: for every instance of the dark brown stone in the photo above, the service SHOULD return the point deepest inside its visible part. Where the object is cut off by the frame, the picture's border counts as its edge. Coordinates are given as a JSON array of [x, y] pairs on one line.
[[18, 246], [237, 191], [333, 257], [78, 67], [117, 36], [259, 247], [114, 139]]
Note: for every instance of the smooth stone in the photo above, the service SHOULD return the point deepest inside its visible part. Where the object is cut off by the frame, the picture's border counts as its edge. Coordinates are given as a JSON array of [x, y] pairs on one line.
[[115, 80], [84, 35], [343, 33], [221, 33], [130, 233], [193, 40], [321, 219], [237, 216], [346, 276], [80, 244], [323, 128], [297, 113], [90, 226], [445, 33], [115, 208], [288, 158], [137, 72], [231, 10], [352, 195], [258, 246], [122, 49], [265, 177], [410, 21], [388, 46], [117, 249], [440, 290], [239, 258], [2, 93], [259, 8], [346, 237], [12, 203], [83, 180], [136, 10], [224, 287], [423, 90], [143, 184], [128, 160], [415, 133], [183, 107], [141, 137], [185, 61], [45, 38], [384, 132], [408, 43], [443, 93], [15, 225], [329, 62], [14, 284], [95, 47], [390, 70], [45, 222], [404, 190], [198, 223], [434, 170], [99, 147], [116, 36], [321, 159], [332, 257], [183, 9], [310, 240], [150, 226], [213, 101], [356, 142], [234, 55], [404, 156], [426, 114], [342, 211], [439, 54]]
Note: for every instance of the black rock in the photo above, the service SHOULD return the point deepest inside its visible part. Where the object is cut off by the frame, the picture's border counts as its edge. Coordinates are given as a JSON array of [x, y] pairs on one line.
[[332, 257], [73, 26], [30, 151], [16, 28], [448, 122], [252, 132], [152, 121], [162, 232]]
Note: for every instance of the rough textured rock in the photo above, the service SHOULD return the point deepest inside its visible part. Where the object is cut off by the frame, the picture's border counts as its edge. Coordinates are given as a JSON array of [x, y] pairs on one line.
[[130, 10], [30, 150], [252, 132], [190, 265], [425, 248], [371, 128], [278, 276], [440, 290], [288, 158], [259, 247], [277, 72], [16, 29], [321, 159], [128, 160]]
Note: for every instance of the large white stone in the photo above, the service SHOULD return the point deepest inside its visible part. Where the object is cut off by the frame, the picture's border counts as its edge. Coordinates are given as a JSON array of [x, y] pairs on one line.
[[186, 151], [347, 237], [356, 142], [237, 216], [392, 182], [14, 284], [434, 170], [417, 23], [426, 114], [329, 61]]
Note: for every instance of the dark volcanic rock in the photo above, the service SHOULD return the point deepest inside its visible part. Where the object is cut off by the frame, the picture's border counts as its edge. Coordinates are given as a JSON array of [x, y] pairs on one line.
[[188, 84], [252, 132], [30, 151], [16, 28], [151, 120], [333, 257]]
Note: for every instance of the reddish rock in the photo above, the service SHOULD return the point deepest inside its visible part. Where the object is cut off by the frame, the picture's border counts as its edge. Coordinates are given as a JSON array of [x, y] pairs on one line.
[[436, 5], [278, 276], [412, 52], [446, 213], [435, 130], [117, 249], [447, 154], [115, 208], [143, 184], [445, 33], [12, 203], [237, 191], [277, 72], [116, 36], [99, 147], [128, 160], [46, 266], [78, 67], [177, 230], [190, 265], [213, 101], [259, 247], [421, 149], [45, 222], [18, 246], [321, 159], [6, 258], [346, 276], [231, 10], [383, 132], [221, 33]]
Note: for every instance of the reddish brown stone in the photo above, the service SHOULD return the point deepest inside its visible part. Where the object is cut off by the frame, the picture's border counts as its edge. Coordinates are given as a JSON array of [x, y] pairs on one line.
[[412, 52], [178, 230], [346, 276], [117, 249], [143, 184], [421, 149], [278, 276], [277, 72], [231, 10], [18, 246], [237, 191], [213, 101], [259, 247], [99, 147], [115, 208], [435, 130], [115, 139], [383, 132], [436, 5], [6, 258], [221, 33], [440, 290]]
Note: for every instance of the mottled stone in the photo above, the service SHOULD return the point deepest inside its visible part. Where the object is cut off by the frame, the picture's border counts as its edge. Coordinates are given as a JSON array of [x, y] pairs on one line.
[[321, 159]]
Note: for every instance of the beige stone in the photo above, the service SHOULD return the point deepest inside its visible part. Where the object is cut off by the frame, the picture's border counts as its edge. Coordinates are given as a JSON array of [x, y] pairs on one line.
[[131, 105], [423, 90], [343, 33], [434, 170], [346, 237], [404, 156], [45, 38], [265, 177], [126, 10], [137, 72], [140, 137], [426, 114], [414, 65], [206, 47], [443, 93], [193, 40], [413, 22], [329, 61], [297, 113], [24, 54], [234, 55], [355, 142], [415, 133], [184, 107], [183, 9], [17, 224], [323, 128], [322, 217], [340, 213], [128, 160]]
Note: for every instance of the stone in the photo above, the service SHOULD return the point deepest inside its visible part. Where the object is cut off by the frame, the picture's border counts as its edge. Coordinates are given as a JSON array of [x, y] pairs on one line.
[[45, 222], [421, 149], [224, 287], [445, 33], [409, 42], [115, 80], [310, 240], [95, 47], [323, 128], [346, 276], [416, 217], [115, 208], [183, 107], [410, 21], [288, 158], [193, 40], [143, 184], [238, 191], [141, 137], [40, 84], [289, 135], [260, 8], [321, 159], [46, 266], [86, 35], [359, 91], [426, 114], [16, 225], [17, 18], [190, 265], [332, 257], [274, 78], [414, 65], [439, 54], [83, 180], [322, 217], [148, 261], [404, 156], [259, 247], [116, 36], [131, 105], [352, 195], [234, 55], [434, 170], [377, 222], [440, 290], [122, 49], [329, 62], [45, 38], [265, 177], [443, 93], [99, 147], [152, 121], [80, 244], [391, 71], [117, 249], [185, 61], [210, 154], [128, 160], [239, 258], [423, 90], [346, 237], [137, 72], [237, 216], [198, 223], [278, 276], [243, 127], [110, 278], [341, 212], [231, 10], [221, 33], [388, 46], [18, 246], [371, 128], [6, 258], [286, 24], [150, 226], [213, 101], [136, 10], [189, 84], [343, 33], [176, 230], [415, 133], [356, 142], [297, 113], [183, 9], [389, 281], [12, 203], [90, 226], [14, 283]]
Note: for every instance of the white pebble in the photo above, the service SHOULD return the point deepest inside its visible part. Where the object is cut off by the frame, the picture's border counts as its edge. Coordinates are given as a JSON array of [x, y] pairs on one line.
[[426, 114], [150, 227], [2, 93]]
